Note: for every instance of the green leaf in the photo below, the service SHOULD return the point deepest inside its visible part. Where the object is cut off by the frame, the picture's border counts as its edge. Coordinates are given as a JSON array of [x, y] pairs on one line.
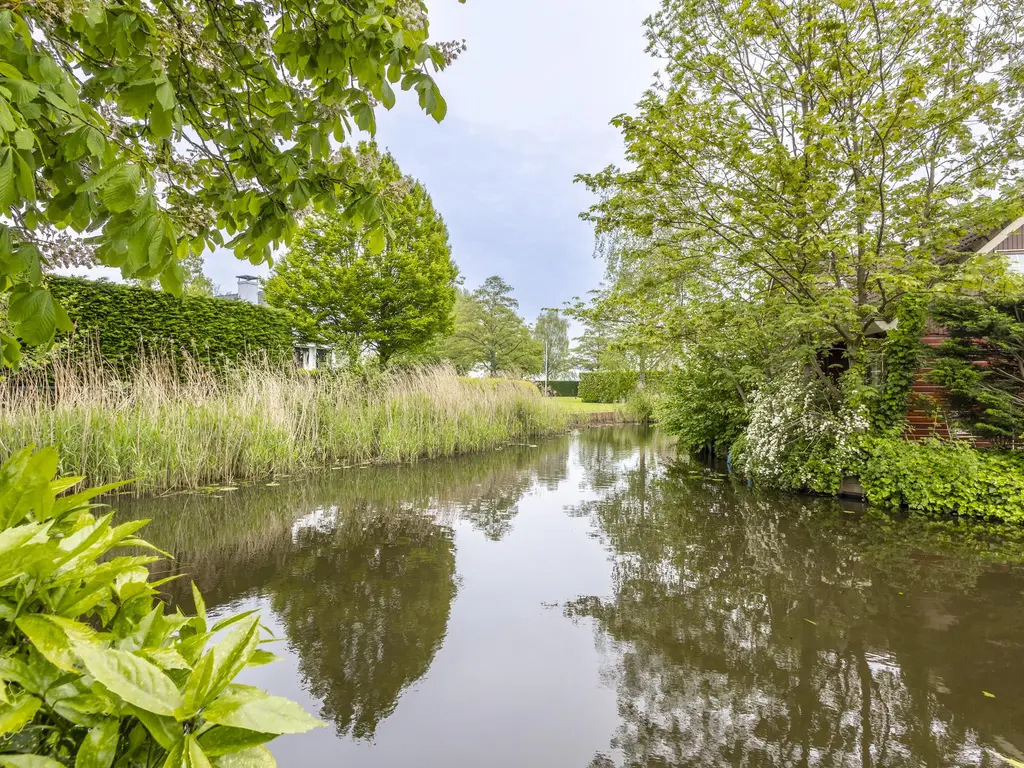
[[231, 655], [24, 138], [377, 239], [387, 95], [34, 314], [99, 748], [56, 638], [7, 191], [223, 740], [194, 756], [120, 190], [259, 757], [29, 761], [16, 717], [133, 678], [254, 710]]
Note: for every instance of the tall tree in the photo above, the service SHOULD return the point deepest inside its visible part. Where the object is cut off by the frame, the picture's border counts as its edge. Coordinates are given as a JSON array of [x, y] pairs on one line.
[[340, 290], [155, 127], [490, 332], [552, 331], [824, 158]]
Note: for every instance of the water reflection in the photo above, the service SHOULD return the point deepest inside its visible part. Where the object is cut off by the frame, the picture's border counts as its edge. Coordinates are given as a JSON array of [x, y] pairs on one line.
[[773, 631], [727, 627]]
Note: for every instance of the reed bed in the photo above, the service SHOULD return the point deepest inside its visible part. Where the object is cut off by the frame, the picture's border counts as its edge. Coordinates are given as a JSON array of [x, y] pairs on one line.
[[173, 425]]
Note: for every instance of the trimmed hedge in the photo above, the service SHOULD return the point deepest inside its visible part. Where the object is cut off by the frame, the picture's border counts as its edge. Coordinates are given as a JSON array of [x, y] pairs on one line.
[[562, 388], [125, 320], [616, 386]]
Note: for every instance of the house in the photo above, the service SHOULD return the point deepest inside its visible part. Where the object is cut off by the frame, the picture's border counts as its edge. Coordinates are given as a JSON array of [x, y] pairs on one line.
[[928, 401], [1008, 241], [308, 356]]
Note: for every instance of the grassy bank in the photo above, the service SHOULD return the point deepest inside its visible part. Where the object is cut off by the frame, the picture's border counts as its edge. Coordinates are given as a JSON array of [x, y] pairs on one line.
[[190, 429]]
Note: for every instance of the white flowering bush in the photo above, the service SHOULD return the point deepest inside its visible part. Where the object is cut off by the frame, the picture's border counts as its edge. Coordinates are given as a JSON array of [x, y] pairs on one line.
[[798, 438]]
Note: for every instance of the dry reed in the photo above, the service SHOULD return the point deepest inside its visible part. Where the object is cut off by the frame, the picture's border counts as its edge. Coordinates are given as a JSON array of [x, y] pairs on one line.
[[174, 426]]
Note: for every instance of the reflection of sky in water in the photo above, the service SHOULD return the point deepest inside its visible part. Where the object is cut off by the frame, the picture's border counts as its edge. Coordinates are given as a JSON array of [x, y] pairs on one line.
[[585, 604]]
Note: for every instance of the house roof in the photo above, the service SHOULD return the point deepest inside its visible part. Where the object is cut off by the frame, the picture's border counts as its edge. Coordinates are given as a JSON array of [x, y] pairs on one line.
[[1009, 238]]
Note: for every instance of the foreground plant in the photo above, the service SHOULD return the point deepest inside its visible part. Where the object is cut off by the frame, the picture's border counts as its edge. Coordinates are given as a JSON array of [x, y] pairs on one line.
[[94, 672]]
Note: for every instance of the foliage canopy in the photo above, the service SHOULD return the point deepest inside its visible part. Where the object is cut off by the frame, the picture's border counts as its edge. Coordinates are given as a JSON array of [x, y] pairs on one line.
[[155, 129], [490, 332], [341, 288]]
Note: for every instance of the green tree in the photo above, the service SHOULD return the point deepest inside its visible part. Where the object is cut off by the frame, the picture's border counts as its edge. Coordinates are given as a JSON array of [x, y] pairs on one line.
[[489, 331], [157, 128], [340, 290], [820, 158], [193, 282], [552, 331]]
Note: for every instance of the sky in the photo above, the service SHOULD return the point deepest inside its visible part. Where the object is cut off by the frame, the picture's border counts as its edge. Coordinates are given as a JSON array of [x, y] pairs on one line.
[[529, 105]]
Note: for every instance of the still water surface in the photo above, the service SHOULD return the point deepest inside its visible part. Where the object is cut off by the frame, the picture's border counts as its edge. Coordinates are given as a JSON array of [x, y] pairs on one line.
[[595, 601]]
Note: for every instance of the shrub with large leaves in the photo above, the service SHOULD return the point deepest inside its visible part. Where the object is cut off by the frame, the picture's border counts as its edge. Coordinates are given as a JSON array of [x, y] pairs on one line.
[[94, 670]]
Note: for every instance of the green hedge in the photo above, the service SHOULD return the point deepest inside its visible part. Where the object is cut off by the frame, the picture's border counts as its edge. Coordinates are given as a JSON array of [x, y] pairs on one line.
[[563, 388], [616, 386], [126, 319]]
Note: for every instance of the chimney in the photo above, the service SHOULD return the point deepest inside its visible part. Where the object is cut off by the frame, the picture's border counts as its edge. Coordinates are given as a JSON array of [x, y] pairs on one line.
[[249, 289]]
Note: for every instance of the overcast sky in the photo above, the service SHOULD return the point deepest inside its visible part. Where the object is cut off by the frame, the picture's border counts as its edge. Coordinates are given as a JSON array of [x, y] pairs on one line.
[[528, 108]]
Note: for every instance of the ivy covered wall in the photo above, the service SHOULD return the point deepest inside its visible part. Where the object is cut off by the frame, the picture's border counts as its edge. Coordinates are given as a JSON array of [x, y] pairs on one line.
[[123, 320]]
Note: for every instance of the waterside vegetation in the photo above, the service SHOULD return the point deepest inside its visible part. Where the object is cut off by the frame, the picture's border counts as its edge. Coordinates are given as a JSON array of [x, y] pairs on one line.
[[188, 427]]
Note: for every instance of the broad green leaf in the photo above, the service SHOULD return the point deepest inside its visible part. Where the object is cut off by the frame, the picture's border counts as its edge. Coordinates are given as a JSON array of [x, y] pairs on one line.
[[24, 139], [15, 717], [133, 678], [254, 710], [34, 313], [99, 748], [222, 740], [120, 190], [57, 638], [231, 655], [165, 730], [259, 757], [29, 761], [7, 191], [194, 755]]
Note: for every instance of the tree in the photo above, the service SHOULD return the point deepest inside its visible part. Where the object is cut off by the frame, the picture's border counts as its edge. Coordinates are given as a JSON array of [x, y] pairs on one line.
[[154, 128], [552, 332], [340, 290], [823, 159], [194, 281], [631, 311], [489, 331]]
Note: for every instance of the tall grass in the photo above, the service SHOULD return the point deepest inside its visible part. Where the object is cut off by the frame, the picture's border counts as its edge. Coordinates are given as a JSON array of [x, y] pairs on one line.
[[184, 428]]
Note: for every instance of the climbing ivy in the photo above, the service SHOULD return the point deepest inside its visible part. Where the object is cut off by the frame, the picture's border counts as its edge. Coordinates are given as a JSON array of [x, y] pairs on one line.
[[901, 357]]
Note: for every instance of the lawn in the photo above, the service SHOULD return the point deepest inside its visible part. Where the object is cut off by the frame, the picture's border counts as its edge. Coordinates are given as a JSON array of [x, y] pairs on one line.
[[575, 405]]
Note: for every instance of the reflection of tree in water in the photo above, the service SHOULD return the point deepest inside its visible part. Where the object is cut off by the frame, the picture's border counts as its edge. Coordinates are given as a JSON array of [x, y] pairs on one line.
[[752, 630], [366, 608], [358, 564], [605, 453]]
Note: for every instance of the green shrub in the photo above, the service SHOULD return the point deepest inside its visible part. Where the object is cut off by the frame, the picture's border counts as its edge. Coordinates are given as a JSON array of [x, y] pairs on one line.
[[616, 386], [944, 477], [703, 407], [93, 671], [642, 406], [125, 320]]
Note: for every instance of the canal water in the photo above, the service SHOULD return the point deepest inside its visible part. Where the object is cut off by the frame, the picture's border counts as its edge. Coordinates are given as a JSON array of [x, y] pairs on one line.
[[595, 600]]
